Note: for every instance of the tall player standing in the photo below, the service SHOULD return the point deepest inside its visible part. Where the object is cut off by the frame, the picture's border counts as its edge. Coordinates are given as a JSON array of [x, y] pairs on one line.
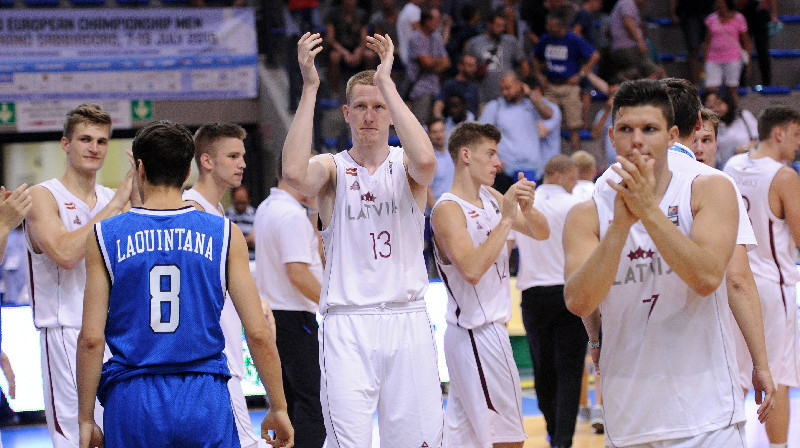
[[651, 255], [772, 190], [63, 212], [157, 278], [219, 155], [471, 223], [377, 350]]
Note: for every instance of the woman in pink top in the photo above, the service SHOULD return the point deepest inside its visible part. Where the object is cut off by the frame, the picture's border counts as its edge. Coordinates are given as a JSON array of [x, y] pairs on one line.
[[725, 39]]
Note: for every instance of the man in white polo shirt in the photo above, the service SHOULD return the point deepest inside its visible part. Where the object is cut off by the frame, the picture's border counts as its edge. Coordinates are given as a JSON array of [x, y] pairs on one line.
[[288, 273], [556, 337]]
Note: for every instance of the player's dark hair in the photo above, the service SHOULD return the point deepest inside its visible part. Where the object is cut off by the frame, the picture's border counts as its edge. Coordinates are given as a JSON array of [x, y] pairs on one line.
[[87, 114], [775, 116], [685, 104], [470, 133], [208, 134], [166, 150], [643, 92]]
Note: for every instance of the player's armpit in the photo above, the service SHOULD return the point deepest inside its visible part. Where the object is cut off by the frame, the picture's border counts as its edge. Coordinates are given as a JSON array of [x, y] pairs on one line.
[[787, 186]]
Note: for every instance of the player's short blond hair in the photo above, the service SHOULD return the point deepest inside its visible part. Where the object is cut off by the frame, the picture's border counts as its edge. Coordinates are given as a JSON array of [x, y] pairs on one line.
[[365, 78], [586, 163], [709, 116]]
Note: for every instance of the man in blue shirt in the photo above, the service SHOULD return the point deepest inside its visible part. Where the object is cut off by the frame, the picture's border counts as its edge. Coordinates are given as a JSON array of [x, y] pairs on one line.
[[561, 60]]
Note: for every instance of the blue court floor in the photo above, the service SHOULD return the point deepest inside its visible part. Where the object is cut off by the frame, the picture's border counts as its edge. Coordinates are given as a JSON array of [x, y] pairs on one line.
[[36, 436]]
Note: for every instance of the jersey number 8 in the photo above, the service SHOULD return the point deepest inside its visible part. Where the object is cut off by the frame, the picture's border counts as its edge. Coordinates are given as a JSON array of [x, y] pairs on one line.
[[165, 287]]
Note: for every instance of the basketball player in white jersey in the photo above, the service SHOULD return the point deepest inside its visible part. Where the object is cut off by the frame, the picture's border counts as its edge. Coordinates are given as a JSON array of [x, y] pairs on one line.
[[376, 343], [587, 171], [470, 224], [771, 191], [651, 256], [219, 155], [62, 215], [742, 292]]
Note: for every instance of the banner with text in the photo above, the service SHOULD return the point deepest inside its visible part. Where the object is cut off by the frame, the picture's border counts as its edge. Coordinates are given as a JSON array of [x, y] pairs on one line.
[[170, 54]]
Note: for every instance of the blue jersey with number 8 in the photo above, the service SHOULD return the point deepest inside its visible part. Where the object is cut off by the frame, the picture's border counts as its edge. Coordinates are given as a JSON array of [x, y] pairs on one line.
[[168, 280]]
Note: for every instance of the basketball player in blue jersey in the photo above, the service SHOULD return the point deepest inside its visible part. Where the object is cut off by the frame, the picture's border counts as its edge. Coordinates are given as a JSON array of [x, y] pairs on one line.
[[156, 283], [651, 256], [377, 351]]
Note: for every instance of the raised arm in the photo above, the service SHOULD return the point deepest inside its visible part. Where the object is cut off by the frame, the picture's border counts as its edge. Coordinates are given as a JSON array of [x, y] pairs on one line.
[[304, 175], [14, 206], [416, 143], [746, 309], [454, 241], [244, 294], [50, 236], [91, 341]]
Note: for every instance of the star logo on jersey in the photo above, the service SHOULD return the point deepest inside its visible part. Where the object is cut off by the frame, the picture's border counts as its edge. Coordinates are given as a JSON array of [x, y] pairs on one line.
[[672, 214], [424, 445], [77, 221], [473, 214], [356, 186], [70, 206], [480, 227], [351, 171], [640, 253], [368, 197]]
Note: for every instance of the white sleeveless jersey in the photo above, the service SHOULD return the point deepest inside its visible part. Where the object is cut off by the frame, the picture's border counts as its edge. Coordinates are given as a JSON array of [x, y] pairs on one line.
[[373, 243], [681, 158], [774, 257], [57, 293], [228, 320], [668, 356], [470, 306]]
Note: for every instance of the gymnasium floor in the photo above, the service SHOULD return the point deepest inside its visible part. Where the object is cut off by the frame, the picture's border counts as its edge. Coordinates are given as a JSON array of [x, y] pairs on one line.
[[36, 436]]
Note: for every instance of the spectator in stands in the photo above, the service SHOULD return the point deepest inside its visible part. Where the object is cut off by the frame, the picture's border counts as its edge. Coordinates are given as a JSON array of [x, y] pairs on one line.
[[456, 112], [561, 60], [445, 24], [301, 16], [722, 47], [497, 53], [689, 14], [602, 121], [407, 22], [538, 25], [345, 36], [738, 128], [469, 27], [583, 25], [759, 13], [427, 59], [517, 27], [463, 83], [241, 213], [384, 21], [517, 114], [628, 47], [550, 132]]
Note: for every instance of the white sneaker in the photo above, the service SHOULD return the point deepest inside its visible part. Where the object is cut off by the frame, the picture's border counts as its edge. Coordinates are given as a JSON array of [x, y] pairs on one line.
[[596, 419]]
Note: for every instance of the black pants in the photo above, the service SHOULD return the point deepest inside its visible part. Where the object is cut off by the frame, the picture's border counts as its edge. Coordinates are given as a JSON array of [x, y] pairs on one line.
[[298, 348], [557, 341], [757, 21]]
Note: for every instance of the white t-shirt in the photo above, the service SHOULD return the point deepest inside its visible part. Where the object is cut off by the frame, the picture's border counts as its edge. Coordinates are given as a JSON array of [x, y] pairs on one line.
[[681, 158], [408, 16], [284, 235], [541, 263], [668, 355], [583, 190], [229, 319], [57, 293], [773, 259], [373, 244], [470, 306]]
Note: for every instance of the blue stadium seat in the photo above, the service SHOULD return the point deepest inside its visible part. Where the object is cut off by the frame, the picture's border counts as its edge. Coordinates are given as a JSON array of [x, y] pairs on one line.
[[772, 90], [584, 133], [87, 2], [41, 3], [133, 2], [784, 54], [6, 3], [327, 104], [789, 19]]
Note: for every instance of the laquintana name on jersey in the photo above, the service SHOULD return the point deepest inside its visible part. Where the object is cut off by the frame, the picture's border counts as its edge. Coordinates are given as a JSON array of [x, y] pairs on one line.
[[165, 240], [371, 211], [638, 272]]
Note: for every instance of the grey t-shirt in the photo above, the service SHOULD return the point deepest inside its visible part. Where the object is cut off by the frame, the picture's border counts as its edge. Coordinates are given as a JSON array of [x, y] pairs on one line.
[[499, 56], [425, 82], [620, 39]]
